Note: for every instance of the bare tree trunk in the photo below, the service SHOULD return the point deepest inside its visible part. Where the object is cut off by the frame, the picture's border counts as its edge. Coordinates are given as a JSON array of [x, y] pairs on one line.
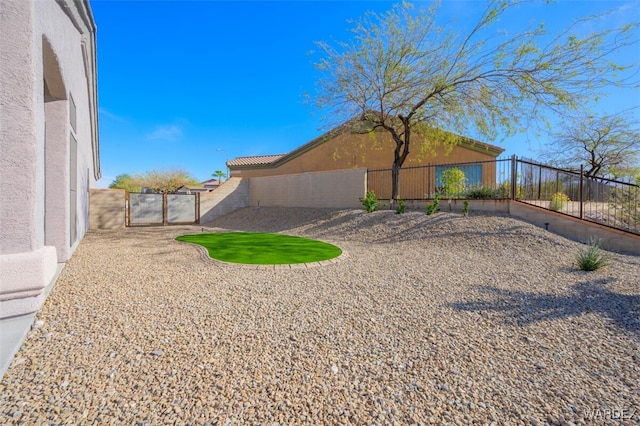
[[395, 177], [399, 156]]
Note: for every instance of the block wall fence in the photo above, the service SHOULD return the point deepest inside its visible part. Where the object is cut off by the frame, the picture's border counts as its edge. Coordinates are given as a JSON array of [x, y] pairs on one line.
[[342, 190]]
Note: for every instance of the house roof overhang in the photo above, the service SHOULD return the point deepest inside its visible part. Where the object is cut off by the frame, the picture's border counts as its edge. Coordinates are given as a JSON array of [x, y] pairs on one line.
[[355, 126], [79, 12]]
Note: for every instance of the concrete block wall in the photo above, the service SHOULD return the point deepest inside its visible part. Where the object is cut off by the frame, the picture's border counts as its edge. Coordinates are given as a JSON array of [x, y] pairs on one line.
[[107, 208], [231, 195], [332, 189], [576, 229], [487, 206]]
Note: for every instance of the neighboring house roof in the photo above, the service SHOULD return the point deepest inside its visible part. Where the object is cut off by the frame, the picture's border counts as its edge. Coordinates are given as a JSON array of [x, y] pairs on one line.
[[355, 125], [210, 182], [255, 160]]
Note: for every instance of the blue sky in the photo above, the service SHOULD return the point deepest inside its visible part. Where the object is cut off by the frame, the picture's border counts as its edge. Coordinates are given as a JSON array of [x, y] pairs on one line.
[[191, 84]]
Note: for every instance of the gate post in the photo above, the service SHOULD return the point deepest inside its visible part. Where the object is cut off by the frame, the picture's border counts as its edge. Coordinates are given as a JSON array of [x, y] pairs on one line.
[[514, 176], [165, 209], [127, 208], [197, 209], [580, 196]]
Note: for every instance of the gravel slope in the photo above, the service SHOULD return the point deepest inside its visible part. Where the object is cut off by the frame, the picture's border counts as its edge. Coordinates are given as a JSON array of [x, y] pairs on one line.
[[430, 319]]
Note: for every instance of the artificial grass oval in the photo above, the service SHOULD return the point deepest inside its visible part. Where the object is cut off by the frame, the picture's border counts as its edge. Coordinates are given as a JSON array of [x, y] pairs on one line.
[[256, 248]]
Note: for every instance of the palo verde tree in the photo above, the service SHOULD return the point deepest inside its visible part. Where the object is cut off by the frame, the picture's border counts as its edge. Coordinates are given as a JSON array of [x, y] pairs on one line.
[[166, 182], [606, 145], [404, 73], [125, 181]]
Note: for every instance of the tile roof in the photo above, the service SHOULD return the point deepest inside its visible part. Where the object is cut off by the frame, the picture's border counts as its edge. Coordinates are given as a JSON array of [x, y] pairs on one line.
[[353, 125], [254, 160]]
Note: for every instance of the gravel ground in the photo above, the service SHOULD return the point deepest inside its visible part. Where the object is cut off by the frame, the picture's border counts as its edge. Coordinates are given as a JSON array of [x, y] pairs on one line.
[[429, 319]]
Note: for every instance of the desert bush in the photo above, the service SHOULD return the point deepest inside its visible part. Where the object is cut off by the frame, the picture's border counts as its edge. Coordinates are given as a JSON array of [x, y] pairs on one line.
[[402, 207], [625, 202], [454, 182], [434, 206], [370, 202], [592, 258], [558, 201], [465, 208], [482, 192]]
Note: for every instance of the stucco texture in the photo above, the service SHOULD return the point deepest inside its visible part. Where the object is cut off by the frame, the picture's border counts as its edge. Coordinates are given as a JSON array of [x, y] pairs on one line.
[[47, 54], [351, 150]]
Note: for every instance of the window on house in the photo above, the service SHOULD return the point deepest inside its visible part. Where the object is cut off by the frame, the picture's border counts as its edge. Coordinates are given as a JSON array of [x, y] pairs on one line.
[[472, 174]]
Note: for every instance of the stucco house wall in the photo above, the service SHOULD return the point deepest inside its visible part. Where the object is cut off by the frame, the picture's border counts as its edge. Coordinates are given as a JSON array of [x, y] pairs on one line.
[[49, 154], [346, 149]]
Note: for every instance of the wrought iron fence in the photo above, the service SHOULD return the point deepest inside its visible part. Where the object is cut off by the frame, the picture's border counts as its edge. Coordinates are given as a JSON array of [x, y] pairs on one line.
[[608, 202], [604, 201], [482, 179]]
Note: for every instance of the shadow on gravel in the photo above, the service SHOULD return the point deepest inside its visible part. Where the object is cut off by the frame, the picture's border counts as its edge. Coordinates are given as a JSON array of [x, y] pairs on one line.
[[524, 308]]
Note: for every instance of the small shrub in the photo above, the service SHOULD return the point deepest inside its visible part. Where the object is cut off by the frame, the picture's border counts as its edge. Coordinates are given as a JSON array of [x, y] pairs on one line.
[[558, 201], [402, 207], [591, 258], [454, 182], [370, 202], [504, 191], [482, 192], [625, 202], [434, 206], [465, 208]]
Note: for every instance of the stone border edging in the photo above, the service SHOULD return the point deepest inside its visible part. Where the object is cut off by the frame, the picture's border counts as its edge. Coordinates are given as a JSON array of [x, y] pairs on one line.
[[204, 255]]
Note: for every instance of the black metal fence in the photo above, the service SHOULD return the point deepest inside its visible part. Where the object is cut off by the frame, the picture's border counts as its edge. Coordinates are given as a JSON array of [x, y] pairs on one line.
[[482, 179], [608, 202]]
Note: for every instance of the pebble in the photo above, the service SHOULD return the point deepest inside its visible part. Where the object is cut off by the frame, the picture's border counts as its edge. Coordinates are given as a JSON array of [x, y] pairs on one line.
[[459, 305]]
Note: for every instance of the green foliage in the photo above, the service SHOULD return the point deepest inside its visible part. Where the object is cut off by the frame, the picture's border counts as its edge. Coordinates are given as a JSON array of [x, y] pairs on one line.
[[125, 181], [262, 248], [401, 207], [465, 208], [592, 258], [370, 202], [410, 72], [454, 182], [558, 201], [606, 145], [434, 206], [219, 174], [166, 182], [483, 192], [625, 202], [504, 191]]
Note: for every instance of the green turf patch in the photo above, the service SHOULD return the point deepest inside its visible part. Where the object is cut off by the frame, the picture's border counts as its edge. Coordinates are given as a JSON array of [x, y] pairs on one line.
[[262, 249]]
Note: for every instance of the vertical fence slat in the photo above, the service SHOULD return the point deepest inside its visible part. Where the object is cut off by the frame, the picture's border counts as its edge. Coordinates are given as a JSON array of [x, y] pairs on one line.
[[608, 202]]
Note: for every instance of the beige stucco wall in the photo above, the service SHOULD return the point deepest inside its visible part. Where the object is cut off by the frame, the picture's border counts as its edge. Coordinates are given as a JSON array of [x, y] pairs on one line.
[[107, 209], [375, 150], [40, 42], [577, 229], [334, 189], [231, 195]]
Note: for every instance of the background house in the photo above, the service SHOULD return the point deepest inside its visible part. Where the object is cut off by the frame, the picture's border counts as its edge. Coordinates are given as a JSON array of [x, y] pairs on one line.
[[351, 146], [211, 184], [48, 143]]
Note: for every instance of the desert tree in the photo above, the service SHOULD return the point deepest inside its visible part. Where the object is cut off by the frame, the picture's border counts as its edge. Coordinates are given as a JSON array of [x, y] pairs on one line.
[[606, 145], [403, 72], [125, 181], [166, 181]]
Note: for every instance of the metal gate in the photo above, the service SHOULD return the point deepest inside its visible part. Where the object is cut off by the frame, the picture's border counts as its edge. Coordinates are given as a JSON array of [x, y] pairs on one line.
[[162, 209]]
